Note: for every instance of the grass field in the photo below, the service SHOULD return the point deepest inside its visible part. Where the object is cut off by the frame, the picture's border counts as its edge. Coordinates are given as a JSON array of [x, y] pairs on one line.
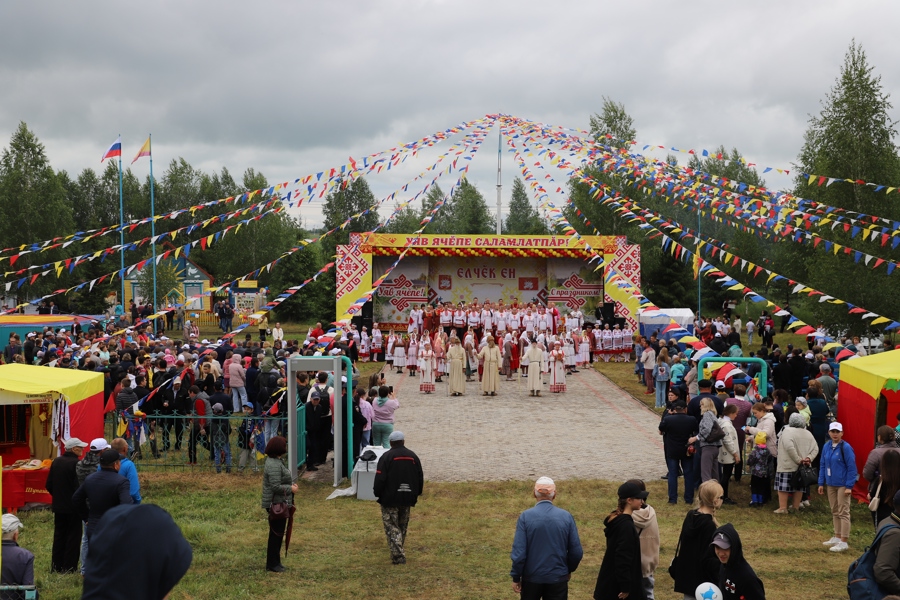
[[459, 538], [458, 545]]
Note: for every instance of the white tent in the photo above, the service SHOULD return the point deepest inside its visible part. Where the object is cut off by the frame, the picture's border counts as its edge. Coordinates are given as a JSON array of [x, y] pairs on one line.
[[652, 321]]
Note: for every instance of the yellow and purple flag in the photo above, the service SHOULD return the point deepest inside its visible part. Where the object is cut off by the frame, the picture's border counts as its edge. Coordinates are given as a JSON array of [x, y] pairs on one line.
[[144, 151]]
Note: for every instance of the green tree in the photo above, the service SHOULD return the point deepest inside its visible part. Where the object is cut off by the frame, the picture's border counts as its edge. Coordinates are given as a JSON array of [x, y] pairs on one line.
[[343, 202], [523, 217], [33, 204], [406, 220], [615, 121], [168, 278], [440, 222], [312, 303], [851, 138], [468, 212]]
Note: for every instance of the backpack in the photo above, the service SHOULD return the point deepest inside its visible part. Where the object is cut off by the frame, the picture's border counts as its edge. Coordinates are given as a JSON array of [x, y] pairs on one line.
[[861, 584], [321, 394]]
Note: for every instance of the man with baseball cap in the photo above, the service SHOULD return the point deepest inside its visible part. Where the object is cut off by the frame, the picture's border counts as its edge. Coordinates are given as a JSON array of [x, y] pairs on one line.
[[102, 491], [398, 484], [546, 548], [62, 481], [88, 465], [18, 563]]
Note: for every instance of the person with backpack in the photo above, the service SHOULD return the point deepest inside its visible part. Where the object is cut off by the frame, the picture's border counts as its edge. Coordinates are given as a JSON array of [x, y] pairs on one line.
[[885, 563], [837, 476]]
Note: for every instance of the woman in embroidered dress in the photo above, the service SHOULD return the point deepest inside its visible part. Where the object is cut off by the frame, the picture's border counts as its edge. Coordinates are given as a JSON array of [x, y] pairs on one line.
[[426, 375], [557, 369], [400, 354]]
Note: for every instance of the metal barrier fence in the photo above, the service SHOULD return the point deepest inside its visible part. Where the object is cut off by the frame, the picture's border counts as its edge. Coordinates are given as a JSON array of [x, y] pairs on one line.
[[18, 592], [180, 442]]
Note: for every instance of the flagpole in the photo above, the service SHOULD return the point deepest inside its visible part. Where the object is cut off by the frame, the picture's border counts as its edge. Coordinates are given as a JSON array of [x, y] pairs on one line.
[[152, 227], [121, 231]]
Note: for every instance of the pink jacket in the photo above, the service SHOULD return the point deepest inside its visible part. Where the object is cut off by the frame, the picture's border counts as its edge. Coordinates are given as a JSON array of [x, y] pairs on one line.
[[237, 375]]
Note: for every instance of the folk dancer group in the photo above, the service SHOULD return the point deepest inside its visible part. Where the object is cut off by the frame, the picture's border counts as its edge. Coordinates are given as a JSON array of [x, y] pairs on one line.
[[493, 340]]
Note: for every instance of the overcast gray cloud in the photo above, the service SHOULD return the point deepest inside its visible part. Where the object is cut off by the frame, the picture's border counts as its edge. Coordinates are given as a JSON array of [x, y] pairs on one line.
[[295, 87]]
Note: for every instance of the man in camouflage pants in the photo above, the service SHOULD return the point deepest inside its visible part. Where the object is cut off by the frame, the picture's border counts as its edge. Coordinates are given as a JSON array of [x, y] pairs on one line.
[[398, 485]]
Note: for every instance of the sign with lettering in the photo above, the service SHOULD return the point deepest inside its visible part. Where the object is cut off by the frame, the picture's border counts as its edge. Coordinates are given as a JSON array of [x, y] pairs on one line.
[[544, 242]]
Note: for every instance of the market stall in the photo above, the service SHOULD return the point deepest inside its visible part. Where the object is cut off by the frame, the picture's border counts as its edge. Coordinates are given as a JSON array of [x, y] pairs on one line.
[[868, 397], [40, 407]]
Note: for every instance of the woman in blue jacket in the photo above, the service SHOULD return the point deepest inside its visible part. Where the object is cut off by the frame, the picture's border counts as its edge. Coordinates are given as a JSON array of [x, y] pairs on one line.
[[837, 475]]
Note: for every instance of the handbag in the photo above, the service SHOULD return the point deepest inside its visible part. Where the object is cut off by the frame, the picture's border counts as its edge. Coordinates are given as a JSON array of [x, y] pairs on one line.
[[278, 511], [876, 498], [804, 476], [716, 433], [673, 568]]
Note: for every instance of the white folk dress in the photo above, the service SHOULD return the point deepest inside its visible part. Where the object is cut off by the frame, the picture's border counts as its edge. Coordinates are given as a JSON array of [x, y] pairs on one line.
[[557, 371], [426, 372]]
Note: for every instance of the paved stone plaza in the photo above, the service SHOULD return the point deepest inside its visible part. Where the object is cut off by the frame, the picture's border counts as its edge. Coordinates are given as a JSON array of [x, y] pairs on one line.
[[593, 431]]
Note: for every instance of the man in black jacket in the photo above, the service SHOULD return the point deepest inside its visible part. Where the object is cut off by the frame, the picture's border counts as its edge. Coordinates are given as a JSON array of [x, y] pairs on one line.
[[62, 481], [102, 491], [677, 427], [316, 450], [398, 484]]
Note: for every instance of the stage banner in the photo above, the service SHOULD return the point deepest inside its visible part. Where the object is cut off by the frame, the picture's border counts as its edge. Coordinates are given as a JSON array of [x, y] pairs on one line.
[[458, 268], [466, 278], [407, 286], [573, 284], [626, 260], [353, 274]]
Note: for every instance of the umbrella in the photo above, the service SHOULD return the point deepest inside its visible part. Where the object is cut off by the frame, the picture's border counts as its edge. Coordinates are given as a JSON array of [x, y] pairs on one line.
[[805, 330], [701, 352], [844, 354], [688, 339], [289, 529], [673, 327], [831, 345]]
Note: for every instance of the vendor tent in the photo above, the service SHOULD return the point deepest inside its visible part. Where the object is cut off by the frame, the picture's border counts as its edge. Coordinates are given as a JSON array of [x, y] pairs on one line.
[[42, 404], [868, 397], [22, 324], [654, 321]]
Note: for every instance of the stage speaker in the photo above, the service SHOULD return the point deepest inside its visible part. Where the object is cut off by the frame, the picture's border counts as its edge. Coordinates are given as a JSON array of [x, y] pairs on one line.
[[608, 312], [364, 318]]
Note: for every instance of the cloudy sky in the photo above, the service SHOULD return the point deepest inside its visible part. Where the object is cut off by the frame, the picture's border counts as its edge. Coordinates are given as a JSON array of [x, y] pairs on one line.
[[294, 87]]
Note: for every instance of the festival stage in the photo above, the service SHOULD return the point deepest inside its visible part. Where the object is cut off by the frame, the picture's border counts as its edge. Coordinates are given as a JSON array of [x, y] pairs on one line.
[[460, 268]]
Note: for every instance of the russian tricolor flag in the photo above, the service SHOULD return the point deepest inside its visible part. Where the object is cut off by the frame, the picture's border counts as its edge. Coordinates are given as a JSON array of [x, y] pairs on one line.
[[114, 150]]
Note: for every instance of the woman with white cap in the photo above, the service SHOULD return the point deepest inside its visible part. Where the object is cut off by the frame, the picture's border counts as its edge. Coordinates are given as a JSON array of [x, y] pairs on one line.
[[837, 476]]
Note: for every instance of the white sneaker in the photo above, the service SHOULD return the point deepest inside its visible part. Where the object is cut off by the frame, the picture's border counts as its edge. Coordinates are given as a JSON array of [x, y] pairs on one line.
[[832, 541], [805, 504], [839, 547]]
